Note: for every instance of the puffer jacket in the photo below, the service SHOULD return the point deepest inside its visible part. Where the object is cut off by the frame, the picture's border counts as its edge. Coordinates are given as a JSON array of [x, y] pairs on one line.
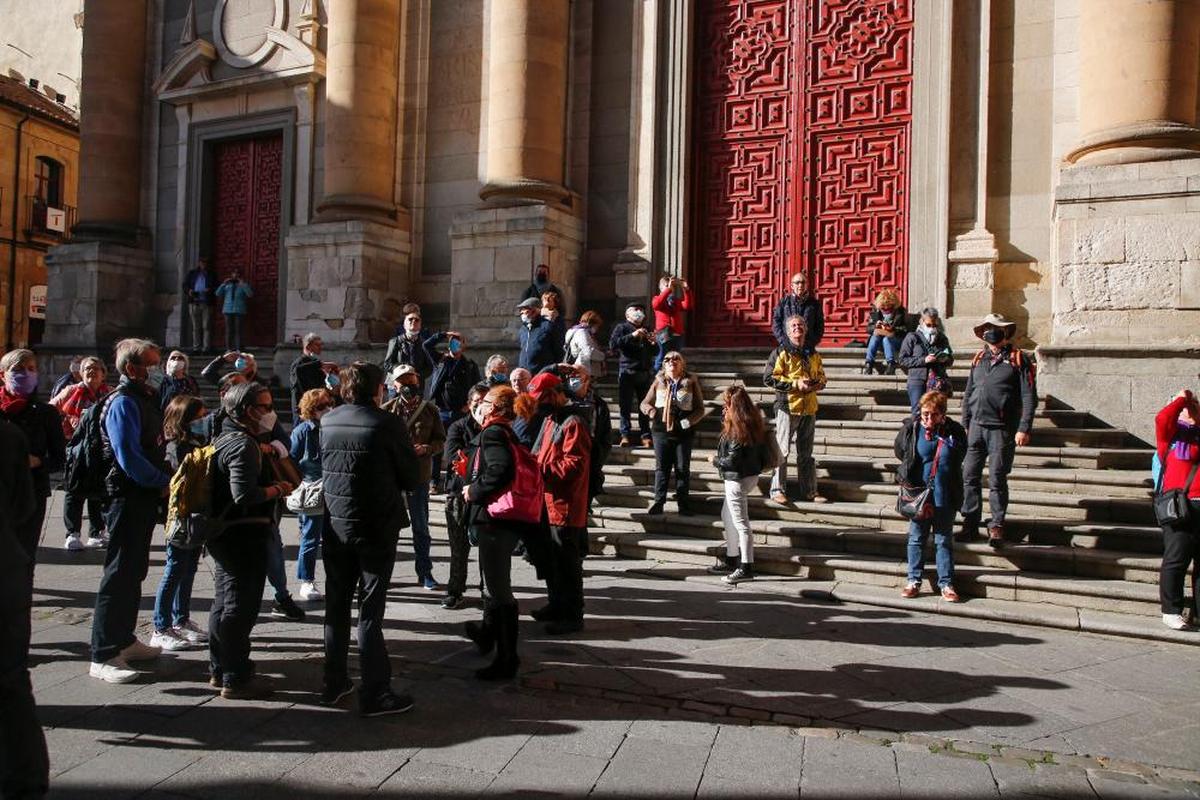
[[367, 463], [735, 460], [564, 452]]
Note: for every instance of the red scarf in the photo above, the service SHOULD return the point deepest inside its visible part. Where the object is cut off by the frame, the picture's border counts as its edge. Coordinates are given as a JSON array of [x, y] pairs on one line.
[[11, 404]]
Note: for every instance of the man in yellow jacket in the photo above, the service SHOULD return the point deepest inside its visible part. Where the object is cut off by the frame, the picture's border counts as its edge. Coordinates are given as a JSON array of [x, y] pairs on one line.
[[796, 379]]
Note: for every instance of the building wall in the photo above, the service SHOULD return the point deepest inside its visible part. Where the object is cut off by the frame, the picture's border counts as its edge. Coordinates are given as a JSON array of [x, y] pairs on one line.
[[43, 39]]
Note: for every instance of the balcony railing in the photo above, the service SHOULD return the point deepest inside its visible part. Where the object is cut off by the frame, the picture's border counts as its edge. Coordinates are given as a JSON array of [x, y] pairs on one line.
[[46, 221]]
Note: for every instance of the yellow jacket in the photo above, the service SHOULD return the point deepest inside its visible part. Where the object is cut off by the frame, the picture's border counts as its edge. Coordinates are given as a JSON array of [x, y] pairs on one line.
[[785, 370]]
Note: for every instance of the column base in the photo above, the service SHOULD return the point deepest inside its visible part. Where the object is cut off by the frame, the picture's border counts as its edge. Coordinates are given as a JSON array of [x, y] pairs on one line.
[[504, 191], [354, 207], [1154, 140], [493, 252], [97, 293], [972, 284], [346, 280]]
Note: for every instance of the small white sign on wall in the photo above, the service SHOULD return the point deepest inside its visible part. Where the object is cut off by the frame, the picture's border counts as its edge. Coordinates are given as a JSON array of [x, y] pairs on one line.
[[56, 220], [37, 302]]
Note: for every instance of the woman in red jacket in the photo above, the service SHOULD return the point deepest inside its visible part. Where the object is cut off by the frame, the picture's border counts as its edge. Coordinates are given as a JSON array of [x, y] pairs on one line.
[[71, 403], [1177, 438], [674, 297]]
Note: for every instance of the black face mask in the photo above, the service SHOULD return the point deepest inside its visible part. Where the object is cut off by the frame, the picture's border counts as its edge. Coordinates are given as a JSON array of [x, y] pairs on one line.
[[409, 392], [993, 336]]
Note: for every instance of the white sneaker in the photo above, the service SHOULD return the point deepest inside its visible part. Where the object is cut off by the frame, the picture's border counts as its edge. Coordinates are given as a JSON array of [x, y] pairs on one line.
[[192, 632], [72, 543], [309, 592], [115, 670], [1175, 622], [140, 652], [169, 640], [97, 541]]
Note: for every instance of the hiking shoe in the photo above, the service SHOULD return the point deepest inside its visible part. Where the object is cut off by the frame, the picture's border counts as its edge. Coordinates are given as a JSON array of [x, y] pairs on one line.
[[949, 595], [309, 592], [140, 652], [911, 589], [1175, 622], [332, 695], [743, 573], [192, 632], [389, 703], [995, 537], [115, 670], [169, 640], [780, 497], [452, 601], [287, 609], [72, 543], [656, 508], [253, 688]]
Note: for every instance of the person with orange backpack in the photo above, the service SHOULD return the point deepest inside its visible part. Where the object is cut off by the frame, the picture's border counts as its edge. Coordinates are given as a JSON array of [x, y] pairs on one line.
[[998, 406]]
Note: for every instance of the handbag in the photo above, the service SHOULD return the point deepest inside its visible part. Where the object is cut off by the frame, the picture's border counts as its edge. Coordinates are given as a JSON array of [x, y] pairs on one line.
[[1172, 507], [524, 498], [916, 502], [308, 498], [938, 383]]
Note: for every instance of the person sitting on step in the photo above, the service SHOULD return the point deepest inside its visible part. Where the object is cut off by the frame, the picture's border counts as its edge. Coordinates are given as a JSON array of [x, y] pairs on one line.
[[886, 327]]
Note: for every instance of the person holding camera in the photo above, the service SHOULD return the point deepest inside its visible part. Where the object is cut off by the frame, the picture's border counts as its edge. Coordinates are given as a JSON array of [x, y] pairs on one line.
[[1177, 440], [635, 346], [886, 328], [674, 297], [234, 294]]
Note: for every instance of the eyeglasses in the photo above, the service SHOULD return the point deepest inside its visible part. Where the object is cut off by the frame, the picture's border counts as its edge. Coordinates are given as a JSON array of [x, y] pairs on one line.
[[672, 360]]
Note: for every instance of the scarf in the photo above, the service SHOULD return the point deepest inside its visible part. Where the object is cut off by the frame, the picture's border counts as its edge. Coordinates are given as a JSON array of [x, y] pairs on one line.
[[12, 404], [1187, 438]]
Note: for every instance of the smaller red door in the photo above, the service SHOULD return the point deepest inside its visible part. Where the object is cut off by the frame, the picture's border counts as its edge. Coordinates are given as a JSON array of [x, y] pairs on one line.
[[248, 178]]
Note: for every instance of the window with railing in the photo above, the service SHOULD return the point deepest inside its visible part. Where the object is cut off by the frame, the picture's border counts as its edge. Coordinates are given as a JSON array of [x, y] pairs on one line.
[[48, 215]]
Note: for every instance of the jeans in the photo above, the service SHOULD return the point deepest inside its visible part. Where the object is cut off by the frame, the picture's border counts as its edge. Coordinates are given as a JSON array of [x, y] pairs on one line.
[[233, 332], [672, 344], [735, 514], [24, 763], [460, 544], [672, 452], [942, 527], [175, 588], [418, 511], [891, 346], [564, 583], [201, 317], [495, 559], [801, 429], [915, 392], [367, 569], [997, 446], [131, 520], [276, 570], [631, 388], [1181, 547], [311, 528], [73, 515], [239, 571]]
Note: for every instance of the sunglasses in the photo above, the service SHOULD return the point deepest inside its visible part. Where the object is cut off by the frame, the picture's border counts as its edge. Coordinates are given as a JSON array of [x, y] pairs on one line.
[[672, 360]]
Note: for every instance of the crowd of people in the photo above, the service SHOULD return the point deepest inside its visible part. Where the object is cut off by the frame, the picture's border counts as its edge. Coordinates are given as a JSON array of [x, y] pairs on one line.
[[518, 450]]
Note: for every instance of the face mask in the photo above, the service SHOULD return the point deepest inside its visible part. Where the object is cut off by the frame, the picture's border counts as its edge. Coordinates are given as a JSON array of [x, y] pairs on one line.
[[266, 423], [455, 346], [175, 367], [332, 381], [637, 317], [198, 427], [155, 378], [241, 364], [409, 392], [477, 414], [574, 385], [526, 317], [22, 384], [412, 328], [929, 330], [993, 336], [499, 378]]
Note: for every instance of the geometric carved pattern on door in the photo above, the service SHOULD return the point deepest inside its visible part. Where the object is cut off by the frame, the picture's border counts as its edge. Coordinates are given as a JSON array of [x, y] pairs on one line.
[[246, 197], [804, 118]]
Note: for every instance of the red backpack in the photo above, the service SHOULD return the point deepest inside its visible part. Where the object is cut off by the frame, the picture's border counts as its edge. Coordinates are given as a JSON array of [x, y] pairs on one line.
[[524, 498]]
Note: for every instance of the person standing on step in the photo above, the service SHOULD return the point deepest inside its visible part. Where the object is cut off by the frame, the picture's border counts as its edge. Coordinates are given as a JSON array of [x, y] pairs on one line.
[[456, 456], [743, 452], [308, 371], [635, 347], [800, 302], [72, 402], [886, 327], [406, 347], [200, 289], [583, 346], [428, 436], [931, 448], [541, 284], [675, 405], [1177, 440], [541, 346], [453, 376], [368, 465], [177, 380], [673, 299], [796, 379], [306, 452], [495, 371], [998, 407], [926, 355], [234, 294]]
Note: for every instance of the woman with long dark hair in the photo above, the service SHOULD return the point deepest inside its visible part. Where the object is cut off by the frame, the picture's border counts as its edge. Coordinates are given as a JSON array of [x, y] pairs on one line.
[[743, 452]]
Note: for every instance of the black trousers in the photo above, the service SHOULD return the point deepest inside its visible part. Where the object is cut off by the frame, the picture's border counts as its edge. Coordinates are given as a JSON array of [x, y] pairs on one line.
[[996, 447], [495, 559], [1181, 548], [460, 543], [367, 569], [564, 583], [131, 520], [29, 532], [672, 452], [631, 388], [24, 764], [73, 515], [239, 575]]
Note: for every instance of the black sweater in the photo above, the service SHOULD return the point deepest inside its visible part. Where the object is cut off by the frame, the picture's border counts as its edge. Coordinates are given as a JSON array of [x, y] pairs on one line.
[[42, 426], [735, 460]]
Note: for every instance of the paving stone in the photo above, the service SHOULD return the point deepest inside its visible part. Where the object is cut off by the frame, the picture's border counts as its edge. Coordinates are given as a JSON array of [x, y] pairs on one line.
[[348, 770], [653, 768], [124, 770], [753, 761], [1017, 778], [244, 772], [1110, 785], [597, 738], [838, 768], [929, 775], [426, 779], [531, 772]]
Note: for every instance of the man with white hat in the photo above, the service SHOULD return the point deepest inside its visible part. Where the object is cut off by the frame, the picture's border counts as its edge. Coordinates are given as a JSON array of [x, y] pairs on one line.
[[998, 406]]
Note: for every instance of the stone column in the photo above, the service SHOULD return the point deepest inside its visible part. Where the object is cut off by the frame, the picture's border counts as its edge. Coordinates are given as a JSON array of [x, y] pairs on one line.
[[1138, 78]]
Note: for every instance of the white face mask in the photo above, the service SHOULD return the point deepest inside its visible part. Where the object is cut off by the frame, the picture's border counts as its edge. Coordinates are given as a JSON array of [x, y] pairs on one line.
[[175, 367], [527, 317], [266, 423], [477, 414], [636, 317]]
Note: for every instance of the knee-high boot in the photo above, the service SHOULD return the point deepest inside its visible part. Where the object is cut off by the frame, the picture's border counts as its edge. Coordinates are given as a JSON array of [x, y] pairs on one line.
[[483, 633], [504, 667]]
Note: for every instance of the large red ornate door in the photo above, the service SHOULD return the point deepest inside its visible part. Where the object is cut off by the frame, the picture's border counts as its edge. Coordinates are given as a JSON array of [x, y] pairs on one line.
[[248, 178], [804, 119]]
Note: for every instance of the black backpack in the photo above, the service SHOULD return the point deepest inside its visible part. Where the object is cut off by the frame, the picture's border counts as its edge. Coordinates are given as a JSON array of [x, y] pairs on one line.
[[87, 465]]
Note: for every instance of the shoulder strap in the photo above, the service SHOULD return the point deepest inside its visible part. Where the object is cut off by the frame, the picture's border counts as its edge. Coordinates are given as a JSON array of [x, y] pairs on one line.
[[1187, 485], [937, 453]]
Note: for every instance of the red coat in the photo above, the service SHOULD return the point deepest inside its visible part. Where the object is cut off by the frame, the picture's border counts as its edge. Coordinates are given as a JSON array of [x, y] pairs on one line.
[[565, 457], [1175, 469], [671, 314], [73, 401]]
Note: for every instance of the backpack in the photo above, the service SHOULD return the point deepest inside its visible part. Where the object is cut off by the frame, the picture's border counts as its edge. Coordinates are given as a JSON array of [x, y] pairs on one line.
[[525, 497], [87, 466], [190, 518]]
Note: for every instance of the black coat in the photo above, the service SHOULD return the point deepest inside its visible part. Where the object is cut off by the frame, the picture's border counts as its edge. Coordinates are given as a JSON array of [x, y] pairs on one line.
[[459, 439], [306, 374], [17, 500], [912, 356], [451, 381], [491, 471], [42, 426], [241, 479], [735, 460], [368, 463], [911, 467], [402, 350], [899, 321], [1001, 395], [636, 353], [814, 319]]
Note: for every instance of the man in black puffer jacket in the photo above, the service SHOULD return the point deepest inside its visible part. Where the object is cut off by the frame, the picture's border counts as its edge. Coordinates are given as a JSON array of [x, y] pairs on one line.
[[368, 463]]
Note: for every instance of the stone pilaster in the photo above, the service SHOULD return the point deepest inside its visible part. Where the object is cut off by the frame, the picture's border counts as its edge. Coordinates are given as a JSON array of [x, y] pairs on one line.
[[98, 292]]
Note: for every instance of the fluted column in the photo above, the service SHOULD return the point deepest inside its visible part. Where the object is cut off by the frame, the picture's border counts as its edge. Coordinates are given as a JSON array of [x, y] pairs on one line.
[[110, 120], [361, 86], [1138, 80], [527, 97]]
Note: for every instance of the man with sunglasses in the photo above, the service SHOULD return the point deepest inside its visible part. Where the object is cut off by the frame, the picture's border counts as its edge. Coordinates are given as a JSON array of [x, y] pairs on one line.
[[800, 302], [406, 346]]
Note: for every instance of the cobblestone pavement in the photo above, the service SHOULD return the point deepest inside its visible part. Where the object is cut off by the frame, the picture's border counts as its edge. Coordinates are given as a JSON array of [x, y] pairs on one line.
[[679, 687]]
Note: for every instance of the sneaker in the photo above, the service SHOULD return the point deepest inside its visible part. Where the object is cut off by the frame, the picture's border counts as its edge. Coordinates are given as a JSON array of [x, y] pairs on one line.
[[452, 601], [169, 640], [287, 609], [115, 670], [309, 592], [72, 543], [192, 632], [949, 595], [1175, 622], [140, 652], [390, 703], [743, 573], [429, 584], [727, 565], [253, 688], [911, 589], [97, 542], [332, 695], [780, 497]]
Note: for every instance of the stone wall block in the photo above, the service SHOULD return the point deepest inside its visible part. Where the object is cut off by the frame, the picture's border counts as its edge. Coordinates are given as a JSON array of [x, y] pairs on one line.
[[1165, 238], [1147, 284], [1100, 241], [514, 264], [1189, 285], [476, 265]]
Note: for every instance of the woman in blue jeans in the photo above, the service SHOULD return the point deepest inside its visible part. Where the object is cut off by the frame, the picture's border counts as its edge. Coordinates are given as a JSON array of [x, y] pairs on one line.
[[306, 452], [184, 430], [931, 448]]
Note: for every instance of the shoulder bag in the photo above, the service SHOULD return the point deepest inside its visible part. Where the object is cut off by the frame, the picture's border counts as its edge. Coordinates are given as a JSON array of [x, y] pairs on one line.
[[1172, 507], [916, 502]]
